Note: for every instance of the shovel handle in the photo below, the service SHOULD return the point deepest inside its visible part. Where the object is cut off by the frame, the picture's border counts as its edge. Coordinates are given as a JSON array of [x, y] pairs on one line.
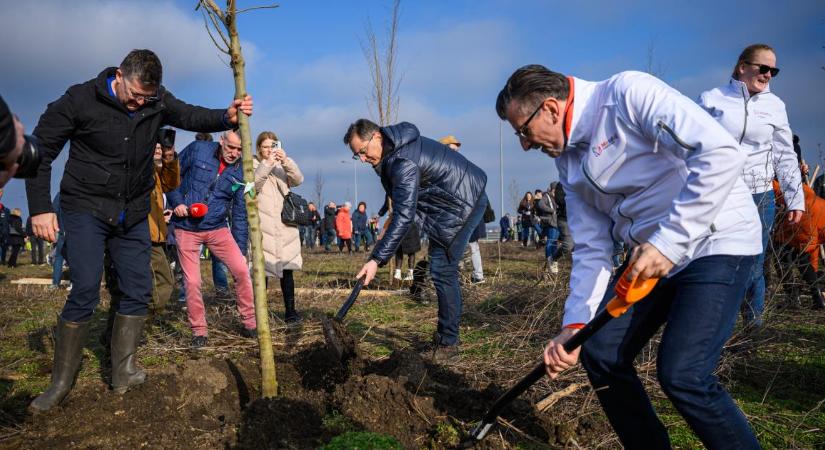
[[352, 297], [628, 292]]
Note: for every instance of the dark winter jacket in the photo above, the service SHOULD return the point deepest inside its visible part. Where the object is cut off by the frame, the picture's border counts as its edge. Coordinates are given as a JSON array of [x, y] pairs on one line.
[[110, 169], [545, 210], [314, 219], [8, 134], [329, 219], [359, 222], [561, 205], [4, 222], [16, 232], [428, 183], [222, 194]]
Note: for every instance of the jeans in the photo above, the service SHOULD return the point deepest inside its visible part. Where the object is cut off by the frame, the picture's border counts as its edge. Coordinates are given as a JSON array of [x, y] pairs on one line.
[[218, 273], [57, 266], [525, 234], [329, 239], [130, 250], [754, 303], [444, 272], [551, 233], [364, 236], [308, 236], [698, 307]]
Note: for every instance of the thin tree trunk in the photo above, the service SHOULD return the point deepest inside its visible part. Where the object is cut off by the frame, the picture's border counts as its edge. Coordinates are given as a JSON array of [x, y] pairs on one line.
[[269, 386]]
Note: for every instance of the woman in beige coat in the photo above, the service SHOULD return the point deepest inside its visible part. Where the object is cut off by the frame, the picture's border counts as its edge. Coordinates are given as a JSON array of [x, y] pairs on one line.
[[275, 174]]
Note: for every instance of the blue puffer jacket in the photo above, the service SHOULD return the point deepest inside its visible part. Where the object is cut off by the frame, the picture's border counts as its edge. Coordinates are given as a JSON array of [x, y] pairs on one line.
[[223, 195], [359, 222], [427, 182]]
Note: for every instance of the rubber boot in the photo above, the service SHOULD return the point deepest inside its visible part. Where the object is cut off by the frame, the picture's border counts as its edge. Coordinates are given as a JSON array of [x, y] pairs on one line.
[[125, 338], [68, 352]]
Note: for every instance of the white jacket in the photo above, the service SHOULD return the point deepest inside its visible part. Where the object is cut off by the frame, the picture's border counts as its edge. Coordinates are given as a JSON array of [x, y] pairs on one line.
[[646, 164], [760, 124]]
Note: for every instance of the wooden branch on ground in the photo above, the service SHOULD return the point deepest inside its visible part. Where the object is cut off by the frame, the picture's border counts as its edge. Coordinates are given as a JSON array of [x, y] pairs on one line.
[[553, 398]]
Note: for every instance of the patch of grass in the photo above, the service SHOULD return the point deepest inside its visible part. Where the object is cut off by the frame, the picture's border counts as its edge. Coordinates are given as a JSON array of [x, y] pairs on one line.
[[445, 435], [337, 423], [362, 440]]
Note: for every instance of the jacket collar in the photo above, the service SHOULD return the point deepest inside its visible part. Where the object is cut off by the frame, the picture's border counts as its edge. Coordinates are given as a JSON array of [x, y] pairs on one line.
[[739, 88], [582, 113]]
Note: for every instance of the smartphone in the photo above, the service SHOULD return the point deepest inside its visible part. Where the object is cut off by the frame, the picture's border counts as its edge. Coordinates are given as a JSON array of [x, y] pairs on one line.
[[276, 145]]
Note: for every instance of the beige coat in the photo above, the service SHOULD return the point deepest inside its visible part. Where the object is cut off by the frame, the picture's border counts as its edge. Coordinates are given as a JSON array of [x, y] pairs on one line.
[[281, 243]]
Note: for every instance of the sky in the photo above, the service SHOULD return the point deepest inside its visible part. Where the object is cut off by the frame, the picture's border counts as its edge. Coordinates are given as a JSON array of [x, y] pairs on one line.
[[307, 73]]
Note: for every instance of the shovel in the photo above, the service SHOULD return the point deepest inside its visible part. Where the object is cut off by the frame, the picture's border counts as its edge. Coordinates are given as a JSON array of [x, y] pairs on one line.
[[627, 293], [339, 341]]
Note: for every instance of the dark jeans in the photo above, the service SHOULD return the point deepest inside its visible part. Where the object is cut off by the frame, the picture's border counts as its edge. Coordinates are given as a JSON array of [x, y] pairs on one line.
[[130, 249], [359, 236], [57, 264], [550, 233], [219, 278], [329, 239], [754, 304], [15, 250], [37, 250], [698, 307], [4, 246], [444, 272]]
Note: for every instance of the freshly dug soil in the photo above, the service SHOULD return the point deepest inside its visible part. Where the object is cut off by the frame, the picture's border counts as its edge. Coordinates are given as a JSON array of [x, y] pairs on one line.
[[213, 403]]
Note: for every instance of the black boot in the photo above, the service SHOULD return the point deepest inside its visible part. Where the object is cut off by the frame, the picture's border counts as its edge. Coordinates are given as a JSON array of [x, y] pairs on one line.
[[290, 315], [68, 352], [819, 300], [288, 289], [125, 338]]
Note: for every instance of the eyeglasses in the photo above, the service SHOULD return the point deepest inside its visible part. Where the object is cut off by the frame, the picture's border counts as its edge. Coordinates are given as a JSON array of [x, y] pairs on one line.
[[140, 98], [764, 68], [524, 130], [363, 150]]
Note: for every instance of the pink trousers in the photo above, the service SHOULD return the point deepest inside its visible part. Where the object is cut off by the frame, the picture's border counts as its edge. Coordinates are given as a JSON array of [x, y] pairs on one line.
[[222, 245]]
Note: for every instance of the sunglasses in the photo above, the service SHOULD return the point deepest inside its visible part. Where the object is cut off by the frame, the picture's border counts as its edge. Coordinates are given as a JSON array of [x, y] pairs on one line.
[[764, 68]]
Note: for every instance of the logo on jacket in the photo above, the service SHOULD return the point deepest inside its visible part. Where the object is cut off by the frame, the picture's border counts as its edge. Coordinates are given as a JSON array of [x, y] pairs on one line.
[[602, 146]]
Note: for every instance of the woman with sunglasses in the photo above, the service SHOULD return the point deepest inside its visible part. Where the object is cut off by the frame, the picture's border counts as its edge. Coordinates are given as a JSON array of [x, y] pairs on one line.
[[757, 119]]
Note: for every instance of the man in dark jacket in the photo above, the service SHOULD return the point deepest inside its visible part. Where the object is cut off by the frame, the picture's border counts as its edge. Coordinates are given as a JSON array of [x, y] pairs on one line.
[[328, 226], [211, 174], [441, 190], [112, 122], [4, 229], [359, 228], [311, 230]]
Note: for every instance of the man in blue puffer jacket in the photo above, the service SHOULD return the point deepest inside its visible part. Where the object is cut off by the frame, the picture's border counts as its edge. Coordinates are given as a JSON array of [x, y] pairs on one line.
[[439, 189], [211, 174]]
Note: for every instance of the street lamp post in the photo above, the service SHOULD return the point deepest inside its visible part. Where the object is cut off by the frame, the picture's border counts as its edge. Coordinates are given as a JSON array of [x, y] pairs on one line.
[[355, 178]]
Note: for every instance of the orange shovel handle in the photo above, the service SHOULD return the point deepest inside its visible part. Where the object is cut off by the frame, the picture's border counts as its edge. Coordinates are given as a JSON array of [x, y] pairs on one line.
[[629, 292]]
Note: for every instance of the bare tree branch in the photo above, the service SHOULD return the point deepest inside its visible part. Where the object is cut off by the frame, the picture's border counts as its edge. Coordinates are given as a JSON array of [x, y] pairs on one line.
[[224, 49], [273, 6], [381, 60]]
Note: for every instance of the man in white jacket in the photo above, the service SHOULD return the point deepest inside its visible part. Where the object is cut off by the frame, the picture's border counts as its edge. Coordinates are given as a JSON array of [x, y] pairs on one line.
[[644, 165]]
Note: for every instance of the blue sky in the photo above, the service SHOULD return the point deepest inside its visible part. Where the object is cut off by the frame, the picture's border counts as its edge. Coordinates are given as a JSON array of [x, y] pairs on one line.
[[309, 78]]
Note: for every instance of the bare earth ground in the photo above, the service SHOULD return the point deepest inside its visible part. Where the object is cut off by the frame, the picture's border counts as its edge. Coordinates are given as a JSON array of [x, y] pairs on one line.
[[210, 399]]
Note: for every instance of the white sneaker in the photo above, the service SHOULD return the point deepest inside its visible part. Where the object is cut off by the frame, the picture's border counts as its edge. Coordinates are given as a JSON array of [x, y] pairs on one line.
[[397, 275], [409, 276], [554, 267]]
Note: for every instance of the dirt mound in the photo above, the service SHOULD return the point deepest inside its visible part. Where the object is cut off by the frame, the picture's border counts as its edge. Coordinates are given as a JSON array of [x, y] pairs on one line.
[[382, 405], [193, 405]]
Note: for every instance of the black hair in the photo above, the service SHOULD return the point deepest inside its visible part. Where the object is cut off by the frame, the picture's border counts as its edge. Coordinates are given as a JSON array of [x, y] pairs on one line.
[[530, 85], [143, 66], [363, 128]]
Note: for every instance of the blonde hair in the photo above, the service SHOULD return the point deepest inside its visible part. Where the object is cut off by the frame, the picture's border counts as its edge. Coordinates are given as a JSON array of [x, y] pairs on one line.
[[16, 212], [748, 54], [261, 138]]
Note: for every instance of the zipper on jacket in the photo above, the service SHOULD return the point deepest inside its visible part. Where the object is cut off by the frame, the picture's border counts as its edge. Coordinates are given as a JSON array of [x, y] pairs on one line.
[[676, 138], [618, 208], [745, 126]]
